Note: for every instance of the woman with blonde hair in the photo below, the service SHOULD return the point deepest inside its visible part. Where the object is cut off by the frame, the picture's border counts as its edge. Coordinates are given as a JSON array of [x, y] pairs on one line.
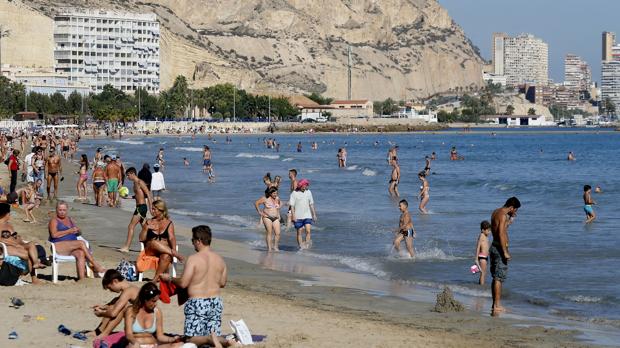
[[159, 240]]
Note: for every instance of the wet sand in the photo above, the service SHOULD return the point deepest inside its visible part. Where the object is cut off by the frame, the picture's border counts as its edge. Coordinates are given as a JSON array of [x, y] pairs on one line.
[[277, 304]]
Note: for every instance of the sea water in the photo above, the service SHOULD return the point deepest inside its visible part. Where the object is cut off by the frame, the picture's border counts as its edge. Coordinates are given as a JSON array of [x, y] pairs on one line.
[[559, 265]]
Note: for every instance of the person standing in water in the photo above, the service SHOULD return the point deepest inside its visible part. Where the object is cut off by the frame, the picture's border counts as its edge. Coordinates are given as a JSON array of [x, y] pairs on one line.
[[427, 166], [394, 178], [571, 156], [588, 203], [303, 213], [391, 155], [498, 252], [423, 196], [405, 229], [481, 258], [270, 216]]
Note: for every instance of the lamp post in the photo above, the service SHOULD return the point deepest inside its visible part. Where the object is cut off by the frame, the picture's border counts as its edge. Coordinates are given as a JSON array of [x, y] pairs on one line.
[[3, 33], [234, 103]]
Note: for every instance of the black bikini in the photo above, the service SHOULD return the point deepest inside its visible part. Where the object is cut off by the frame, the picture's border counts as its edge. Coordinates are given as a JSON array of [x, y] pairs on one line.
[[151, 235]]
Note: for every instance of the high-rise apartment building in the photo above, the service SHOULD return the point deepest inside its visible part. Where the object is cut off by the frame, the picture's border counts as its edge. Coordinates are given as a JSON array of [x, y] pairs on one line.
[[577, 73], [523, 59], [99, 47], [609, 40]]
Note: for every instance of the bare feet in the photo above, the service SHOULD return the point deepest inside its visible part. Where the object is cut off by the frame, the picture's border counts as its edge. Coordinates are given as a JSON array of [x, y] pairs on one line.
[[36, 281], [496, 311], [38, 265], [124, 250], [216, 340]]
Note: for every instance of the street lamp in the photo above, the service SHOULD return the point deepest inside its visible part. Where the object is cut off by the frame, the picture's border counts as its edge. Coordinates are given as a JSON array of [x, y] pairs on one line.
[[3, 33]]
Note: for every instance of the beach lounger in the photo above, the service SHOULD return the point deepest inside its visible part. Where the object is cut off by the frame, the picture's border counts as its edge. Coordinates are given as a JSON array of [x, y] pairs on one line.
[[153, 264], [58, 259]]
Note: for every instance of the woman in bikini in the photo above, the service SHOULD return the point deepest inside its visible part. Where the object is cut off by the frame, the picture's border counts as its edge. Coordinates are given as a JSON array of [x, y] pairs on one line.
[[270, 216], [158, 237], [30, 200], [81, 184], [99, 184], [144, 322], [423, 195]]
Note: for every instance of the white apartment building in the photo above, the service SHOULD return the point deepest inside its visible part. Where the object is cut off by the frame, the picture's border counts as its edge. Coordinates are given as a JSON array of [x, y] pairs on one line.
[[99, 47], [610, 81], [577, 73], [525, 59]]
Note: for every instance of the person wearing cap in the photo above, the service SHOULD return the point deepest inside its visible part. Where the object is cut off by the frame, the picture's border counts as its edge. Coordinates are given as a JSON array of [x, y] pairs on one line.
[[302, 212], [157, 182]]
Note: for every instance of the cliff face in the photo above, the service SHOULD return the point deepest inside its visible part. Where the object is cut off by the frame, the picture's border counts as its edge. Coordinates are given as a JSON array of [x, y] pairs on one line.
[[400, 48]]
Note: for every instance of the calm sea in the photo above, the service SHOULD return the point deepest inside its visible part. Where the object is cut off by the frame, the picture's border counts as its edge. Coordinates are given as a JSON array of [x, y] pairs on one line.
[[560, 266]]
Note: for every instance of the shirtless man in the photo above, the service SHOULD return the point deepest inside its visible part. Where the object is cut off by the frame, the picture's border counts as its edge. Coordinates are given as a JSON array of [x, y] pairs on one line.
[[405, 229], [53, 171], [113, 176], [588, 202], [143, 197], [207, 166], [498, 252], [65, 142], [204, 276], [395, 178], [112, 313]]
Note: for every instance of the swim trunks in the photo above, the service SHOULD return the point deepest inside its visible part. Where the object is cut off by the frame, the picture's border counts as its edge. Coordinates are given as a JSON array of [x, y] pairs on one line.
[[141, 210], [113, 185], [588, 209], [65, 148], [499, 266], [203, 316], [206, 163], [302, 222], [407, 233]]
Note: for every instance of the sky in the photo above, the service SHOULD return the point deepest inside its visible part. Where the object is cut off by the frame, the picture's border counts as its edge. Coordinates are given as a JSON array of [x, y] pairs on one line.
[[567, 26]]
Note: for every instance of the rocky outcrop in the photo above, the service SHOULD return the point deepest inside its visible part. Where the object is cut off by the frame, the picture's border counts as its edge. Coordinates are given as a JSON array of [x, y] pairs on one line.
[[400, 48]]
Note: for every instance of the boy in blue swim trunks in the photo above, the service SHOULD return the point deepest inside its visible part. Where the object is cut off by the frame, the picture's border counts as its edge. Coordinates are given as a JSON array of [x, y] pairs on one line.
[[588, 203]]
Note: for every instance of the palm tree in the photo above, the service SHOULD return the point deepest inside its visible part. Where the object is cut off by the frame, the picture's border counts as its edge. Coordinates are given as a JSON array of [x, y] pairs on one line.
[[510, 110]]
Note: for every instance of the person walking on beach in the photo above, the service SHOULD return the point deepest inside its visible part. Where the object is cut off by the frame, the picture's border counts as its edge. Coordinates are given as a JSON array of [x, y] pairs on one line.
[[83, 178], [270, 216], [157, 182], [204, 276], [405, 229], [588, 203], [13, 167], [394, 178], [481, 258], [303, 213], [144, 199], [53, 170], [424, 195], [99, 183], [498, 252], [113, 176]]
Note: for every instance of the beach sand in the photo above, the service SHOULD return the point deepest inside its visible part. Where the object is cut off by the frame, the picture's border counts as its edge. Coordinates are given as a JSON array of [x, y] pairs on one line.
[[272, 303]]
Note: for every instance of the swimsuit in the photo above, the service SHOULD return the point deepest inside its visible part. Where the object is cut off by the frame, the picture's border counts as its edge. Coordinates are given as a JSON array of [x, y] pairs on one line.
[[98, 183], [483, 257], [588, 209], [203, 316], [206, 163], [137, 328], [151, 235], [499, 266], [113, 185], [141, 210], [61, 227], [407, 233], [53, 175]]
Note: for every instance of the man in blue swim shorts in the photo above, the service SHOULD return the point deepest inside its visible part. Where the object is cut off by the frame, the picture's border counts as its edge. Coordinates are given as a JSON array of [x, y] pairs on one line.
[[302, 212], [204, 276]]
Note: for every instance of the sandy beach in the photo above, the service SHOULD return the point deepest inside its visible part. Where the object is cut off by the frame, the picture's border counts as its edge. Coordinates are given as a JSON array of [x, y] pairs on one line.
[[273, 303]]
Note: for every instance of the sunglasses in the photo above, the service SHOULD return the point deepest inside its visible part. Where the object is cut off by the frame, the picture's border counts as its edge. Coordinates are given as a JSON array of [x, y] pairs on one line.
[[8, 234]]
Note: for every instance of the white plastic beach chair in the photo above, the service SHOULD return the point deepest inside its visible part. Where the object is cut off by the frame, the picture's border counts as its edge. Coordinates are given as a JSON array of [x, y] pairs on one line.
[[57, 259], [173, 265], [5, 253]]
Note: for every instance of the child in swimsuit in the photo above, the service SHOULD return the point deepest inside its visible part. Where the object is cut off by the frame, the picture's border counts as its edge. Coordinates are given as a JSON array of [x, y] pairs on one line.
[[482, 250]]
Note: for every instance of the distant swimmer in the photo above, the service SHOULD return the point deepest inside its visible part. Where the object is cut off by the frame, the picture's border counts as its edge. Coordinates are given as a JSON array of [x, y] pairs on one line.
[[454, 155], [342, 157], [571, 156], [299, 147], [424, 195], [185, 162], [481, 257], [588, 203], [427, 166], [498, 252], [598, 190], [433, 156], [405, 229], [394, 178], [392, 154]]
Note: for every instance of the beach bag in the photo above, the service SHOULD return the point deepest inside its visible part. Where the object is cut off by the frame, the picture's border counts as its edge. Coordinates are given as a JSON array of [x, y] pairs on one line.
[[241, 331], [9, 274], [128, 270]]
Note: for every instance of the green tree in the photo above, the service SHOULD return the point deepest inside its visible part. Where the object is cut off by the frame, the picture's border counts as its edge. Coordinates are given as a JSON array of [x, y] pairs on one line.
[[74, 103], [319, 99], [531, 112], [38, 102], [510, 110], [178, 97], [59, 104], [610, 106]]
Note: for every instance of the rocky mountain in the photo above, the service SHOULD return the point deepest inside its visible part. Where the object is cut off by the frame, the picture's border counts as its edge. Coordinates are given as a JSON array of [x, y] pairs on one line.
[[400, 48]]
